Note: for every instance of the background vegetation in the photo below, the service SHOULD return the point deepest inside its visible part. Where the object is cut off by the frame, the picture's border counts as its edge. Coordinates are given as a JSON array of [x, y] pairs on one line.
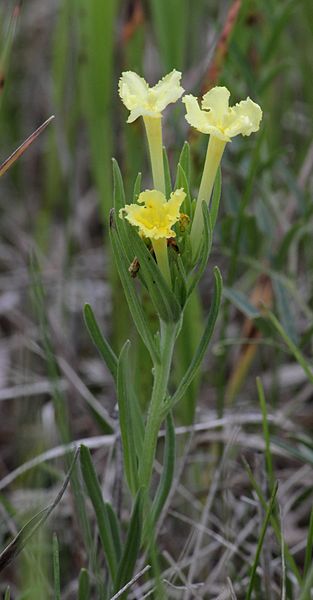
[[64, 57]]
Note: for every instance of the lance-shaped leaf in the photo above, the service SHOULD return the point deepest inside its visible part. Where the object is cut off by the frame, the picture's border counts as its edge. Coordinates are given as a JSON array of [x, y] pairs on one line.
[[132, 546], [119, 203], [167, 174], [205, 251], [127, 416], [133, 301], [83, 585], [182, 182], [180, 280], [101, 509], [204, 342], [137, 187], [99, 340], [184, 160]]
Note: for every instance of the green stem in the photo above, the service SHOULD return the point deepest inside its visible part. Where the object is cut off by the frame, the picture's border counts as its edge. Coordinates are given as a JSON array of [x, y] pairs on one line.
[[153, 127], [160, 251], [212, 160], [168, 333]]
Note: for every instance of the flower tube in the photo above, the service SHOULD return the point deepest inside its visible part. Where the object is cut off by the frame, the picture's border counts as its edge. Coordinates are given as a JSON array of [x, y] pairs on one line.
[[149, 103], [221, 122]]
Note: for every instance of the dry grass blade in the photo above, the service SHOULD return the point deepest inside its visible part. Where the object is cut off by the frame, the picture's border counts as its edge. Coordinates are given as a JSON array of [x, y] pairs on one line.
[[130, 583], [23, 147]]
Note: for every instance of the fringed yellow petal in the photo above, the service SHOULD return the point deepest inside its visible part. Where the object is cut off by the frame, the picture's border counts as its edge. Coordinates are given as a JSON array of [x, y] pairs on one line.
[[156, 217], [218, 119], [217, 101], [142, 100]]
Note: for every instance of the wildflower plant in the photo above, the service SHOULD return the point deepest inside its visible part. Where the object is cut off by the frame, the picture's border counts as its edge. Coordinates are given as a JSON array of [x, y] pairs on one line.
[[168, 236]]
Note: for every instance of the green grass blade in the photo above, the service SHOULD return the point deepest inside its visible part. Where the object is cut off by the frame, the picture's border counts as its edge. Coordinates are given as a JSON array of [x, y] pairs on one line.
[[99, 341], [309, 547], [7, 594], [170, 20], [97, 42], [266, 435], [56, 568], [126, 418], [292, 346], [115, 529], [274, 522], [306, 593], [83, 585], [261, 540], [137, 187], [103, 520], [185, 161], [132, 546], [204, 342]]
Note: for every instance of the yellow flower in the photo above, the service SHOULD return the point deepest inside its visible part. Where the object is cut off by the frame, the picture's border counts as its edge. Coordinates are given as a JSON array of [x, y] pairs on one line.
[[219, 119], [143, 100], [156, 217]]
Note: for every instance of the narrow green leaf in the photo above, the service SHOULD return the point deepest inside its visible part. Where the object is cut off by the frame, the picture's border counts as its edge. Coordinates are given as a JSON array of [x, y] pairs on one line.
[[205, 251], [309, 547], [308, 585], [115, 529], [83, 585], [97, 21], [241, 302], [182, 182], [292, 346], [132, 299], [216, 196], [180, 280], [132, 546], [137, 187], [7, 594], [261, 540], [119, 203], [285, 313], [170, 21], [204, 342], [99, 340], [56, 568], [184, 160], [124, 383], [166, 479], [167, 175], [103, 520], [274, 522], [266, 434]]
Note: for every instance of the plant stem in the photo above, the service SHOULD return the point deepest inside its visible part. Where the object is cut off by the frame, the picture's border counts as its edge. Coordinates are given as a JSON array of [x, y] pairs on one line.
[[168, 333], [212, 160], [160, 251], [153, 127]]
